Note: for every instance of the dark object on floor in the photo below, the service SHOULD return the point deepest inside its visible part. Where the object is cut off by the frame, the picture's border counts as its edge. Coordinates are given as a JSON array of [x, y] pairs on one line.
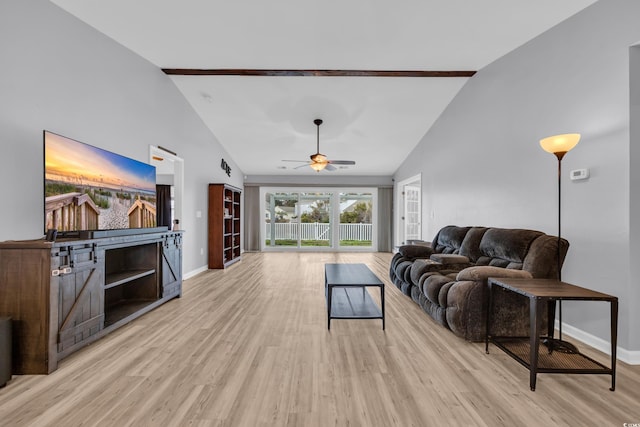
[[449, 279]]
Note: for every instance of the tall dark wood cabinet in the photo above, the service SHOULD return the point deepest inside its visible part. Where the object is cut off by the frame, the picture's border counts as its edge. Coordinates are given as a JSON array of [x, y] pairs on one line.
[[224, 225], [66, 294]]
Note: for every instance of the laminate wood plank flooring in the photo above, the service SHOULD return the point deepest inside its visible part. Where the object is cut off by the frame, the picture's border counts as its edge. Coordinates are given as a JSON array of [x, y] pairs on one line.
[[249, 346]]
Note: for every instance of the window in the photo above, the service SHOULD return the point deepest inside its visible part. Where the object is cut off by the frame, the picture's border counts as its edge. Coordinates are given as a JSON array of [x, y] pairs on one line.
[[356, 219], [318, 219]]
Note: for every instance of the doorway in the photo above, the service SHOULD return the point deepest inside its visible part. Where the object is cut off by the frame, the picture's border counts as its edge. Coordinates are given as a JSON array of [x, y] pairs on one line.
[[169, 171], [409, 208]]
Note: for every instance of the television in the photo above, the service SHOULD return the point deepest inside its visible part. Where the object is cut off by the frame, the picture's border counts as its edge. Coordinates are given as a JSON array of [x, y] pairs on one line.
[[87, 188]]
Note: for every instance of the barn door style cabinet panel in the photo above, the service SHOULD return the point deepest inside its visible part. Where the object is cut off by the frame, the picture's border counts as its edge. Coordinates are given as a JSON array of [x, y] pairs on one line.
[[224, 225], [66, 294]]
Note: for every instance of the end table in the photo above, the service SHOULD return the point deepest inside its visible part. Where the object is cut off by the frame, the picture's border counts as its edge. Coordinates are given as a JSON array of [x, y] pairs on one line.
[[526, 350]]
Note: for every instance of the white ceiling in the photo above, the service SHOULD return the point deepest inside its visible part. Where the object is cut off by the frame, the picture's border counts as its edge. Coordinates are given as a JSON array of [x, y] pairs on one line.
[[375, 121]]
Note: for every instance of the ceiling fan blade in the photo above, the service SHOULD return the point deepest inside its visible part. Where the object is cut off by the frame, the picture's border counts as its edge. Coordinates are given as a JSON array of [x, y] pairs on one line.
[[329, 168], [298, 161], [342, 162], [302, 166]]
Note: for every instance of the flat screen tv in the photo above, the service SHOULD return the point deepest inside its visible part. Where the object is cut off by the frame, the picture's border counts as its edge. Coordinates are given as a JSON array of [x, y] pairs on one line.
[[88, 188]]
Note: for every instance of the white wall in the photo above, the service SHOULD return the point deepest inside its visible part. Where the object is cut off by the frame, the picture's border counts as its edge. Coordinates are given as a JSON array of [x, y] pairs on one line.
[[323, 179], [481, 163], [634, 283], [59, 74]]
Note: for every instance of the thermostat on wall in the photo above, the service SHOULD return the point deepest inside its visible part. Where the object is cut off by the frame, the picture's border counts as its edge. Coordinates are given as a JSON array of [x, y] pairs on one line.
[[579, 174]]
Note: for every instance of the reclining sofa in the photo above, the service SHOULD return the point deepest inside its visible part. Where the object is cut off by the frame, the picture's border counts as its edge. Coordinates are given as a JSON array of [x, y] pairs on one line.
[[449, 278]]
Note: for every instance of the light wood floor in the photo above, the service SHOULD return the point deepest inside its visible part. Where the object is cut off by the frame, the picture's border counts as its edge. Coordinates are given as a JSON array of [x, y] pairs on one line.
[[249, 346]]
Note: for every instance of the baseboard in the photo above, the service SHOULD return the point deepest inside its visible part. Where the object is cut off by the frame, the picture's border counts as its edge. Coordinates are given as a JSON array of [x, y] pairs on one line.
[[195, 272], [626, 356]]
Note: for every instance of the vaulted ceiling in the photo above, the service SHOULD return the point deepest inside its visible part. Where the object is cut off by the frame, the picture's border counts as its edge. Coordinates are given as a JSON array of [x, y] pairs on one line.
[[376, 120]]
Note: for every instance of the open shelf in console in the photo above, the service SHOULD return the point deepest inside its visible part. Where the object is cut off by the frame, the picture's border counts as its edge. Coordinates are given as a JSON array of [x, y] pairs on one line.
[[131, 280], [120, 278]]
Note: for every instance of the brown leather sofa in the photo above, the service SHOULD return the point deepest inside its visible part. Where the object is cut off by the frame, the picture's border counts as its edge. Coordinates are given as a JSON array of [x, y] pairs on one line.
[[449, 278]]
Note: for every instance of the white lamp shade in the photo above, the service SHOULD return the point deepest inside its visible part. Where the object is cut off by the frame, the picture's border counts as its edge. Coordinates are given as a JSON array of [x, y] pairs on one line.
[[318, 166], [560, 143]]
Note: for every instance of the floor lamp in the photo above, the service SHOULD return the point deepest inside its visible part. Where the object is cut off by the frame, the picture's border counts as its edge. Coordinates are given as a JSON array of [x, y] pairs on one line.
[[559, 145]]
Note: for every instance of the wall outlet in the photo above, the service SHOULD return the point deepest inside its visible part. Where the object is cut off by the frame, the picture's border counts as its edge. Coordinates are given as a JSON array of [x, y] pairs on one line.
[[201, 251], [198, 214]]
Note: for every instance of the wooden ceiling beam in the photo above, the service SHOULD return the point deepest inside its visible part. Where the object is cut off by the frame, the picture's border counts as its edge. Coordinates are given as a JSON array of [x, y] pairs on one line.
[[314, 73]]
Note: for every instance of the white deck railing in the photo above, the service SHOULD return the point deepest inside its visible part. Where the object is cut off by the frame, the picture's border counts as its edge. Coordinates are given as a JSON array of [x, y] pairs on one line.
[[317, 231]]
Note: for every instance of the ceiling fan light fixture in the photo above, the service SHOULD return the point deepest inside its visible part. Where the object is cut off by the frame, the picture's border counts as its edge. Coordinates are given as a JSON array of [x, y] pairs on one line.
[[318, 166], [318, 158]]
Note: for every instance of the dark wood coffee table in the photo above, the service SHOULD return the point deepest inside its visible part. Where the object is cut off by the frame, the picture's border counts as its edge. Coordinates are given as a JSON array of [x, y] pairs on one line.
[[346, 293], [527, 350]]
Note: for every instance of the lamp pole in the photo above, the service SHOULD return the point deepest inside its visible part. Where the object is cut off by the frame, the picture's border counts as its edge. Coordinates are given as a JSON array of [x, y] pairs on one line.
[[560, 343], [560, 145], [559, 155]]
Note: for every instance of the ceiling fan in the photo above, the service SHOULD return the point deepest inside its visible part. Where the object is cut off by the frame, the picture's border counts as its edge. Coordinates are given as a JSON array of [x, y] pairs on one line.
[[319, 161]]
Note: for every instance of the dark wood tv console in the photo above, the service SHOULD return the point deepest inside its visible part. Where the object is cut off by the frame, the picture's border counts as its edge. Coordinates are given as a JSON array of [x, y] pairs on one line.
[[66, 294]]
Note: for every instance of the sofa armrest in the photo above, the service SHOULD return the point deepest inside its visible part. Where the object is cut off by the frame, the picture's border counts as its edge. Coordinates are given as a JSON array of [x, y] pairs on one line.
[[418, 242], [415, 251], [479, 273], [450, 259]]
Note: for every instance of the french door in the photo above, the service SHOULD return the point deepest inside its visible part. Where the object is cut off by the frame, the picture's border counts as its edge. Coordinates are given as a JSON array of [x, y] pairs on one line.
[[412, 214], [318, 219], [408, 220]]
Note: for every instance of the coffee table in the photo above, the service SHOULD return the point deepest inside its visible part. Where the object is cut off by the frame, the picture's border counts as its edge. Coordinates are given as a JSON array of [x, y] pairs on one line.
[[346, 293]]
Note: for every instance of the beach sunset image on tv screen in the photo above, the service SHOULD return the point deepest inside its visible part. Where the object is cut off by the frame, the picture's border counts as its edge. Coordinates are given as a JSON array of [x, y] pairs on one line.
[[88, 188]]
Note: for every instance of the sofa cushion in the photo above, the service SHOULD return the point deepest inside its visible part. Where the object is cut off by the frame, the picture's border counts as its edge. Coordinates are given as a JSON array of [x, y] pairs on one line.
[[498, 262], [400, 270], [444, 291], [471, 244], [420, 267], [449, 239], [500, 247], [426, 276], [433, 285]]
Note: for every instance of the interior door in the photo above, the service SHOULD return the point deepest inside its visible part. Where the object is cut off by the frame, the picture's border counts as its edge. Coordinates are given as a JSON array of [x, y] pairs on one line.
[[412, 211]]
